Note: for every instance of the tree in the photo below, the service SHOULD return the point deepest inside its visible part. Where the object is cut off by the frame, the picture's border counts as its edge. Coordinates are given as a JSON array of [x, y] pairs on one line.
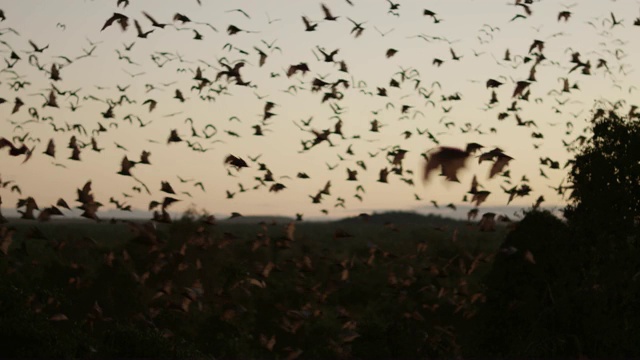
[[605, 177], [578, 295]]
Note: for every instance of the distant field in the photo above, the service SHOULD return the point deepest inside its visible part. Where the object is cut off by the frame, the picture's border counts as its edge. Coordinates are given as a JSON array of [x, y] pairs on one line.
[[258, 288]]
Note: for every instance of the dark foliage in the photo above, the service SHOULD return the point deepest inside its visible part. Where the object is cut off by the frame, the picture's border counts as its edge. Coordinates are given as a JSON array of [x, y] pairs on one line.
[[580, 297], [605, 177], [27, 334], [362, 315], [521, 316]]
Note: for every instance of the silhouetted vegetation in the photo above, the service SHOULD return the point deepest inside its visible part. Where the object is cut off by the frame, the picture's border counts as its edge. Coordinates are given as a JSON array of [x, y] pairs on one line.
[[604, 217], [351, 288], [580, 296], [605, 177], [528, 300]]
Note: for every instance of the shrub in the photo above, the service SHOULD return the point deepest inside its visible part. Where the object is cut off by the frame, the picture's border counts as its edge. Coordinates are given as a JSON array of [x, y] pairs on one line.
[[27, 334], [521, 296], [129, 341]]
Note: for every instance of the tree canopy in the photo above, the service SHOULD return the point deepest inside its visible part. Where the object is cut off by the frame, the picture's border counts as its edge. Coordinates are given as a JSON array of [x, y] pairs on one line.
[[605, 176]]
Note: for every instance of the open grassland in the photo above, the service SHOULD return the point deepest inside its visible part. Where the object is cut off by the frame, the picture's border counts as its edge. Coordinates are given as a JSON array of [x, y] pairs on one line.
[[396, 285]]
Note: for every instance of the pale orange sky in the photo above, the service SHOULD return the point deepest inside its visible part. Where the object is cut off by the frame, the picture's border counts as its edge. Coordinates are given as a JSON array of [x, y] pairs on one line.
[[67, 26]]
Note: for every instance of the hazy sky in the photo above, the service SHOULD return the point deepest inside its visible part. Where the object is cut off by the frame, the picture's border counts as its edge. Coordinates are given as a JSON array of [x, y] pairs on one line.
[[478, 31]]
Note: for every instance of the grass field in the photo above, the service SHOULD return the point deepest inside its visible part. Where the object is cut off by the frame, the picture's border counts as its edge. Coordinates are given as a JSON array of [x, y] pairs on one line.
[[396, 285]]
